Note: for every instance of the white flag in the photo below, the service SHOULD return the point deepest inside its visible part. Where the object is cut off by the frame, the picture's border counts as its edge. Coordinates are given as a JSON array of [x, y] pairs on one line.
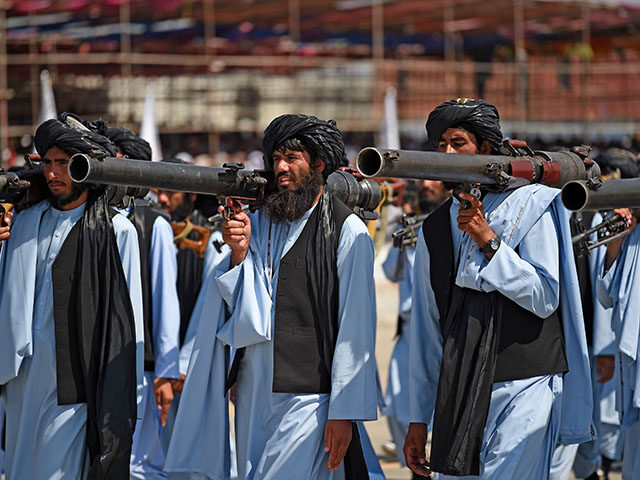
[[47, 101], [390, 135], [149, 128]]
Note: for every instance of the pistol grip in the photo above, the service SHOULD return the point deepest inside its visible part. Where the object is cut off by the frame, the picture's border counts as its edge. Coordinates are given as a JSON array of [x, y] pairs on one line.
[[231, 208]]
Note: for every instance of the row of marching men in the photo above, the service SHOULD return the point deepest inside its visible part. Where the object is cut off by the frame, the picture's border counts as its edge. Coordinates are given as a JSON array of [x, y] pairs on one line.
[[105, 326], [498, 361]]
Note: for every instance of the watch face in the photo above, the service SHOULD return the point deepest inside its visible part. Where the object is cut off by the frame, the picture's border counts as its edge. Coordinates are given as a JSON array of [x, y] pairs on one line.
[[494, 244]]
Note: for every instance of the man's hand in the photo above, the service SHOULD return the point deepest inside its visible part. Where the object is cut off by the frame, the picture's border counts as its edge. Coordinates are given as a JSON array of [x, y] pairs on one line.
[[5, 226], [236, 233], [414, 449], [177, 384], [164, 396], [473, 221], [605, 365], [337, 437], [614, 246]]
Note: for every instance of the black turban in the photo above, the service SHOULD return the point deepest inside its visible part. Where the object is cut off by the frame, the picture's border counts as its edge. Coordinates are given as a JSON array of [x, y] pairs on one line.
[[619, 159], [475, 116], [320, 137], [129, 143], [71, 135], [105, 345]]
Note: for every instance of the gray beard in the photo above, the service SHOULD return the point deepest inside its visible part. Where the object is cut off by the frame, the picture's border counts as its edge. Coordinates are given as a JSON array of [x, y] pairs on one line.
[[291, 205]]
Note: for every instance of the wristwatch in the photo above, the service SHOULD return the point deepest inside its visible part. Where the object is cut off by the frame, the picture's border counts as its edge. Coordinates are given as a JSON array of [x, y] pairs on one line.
[[491, 246]]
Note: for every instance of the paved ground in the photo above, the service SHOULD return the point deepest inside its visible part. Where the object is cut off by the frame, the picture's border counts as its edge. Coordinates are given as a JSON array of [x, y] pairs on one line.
[[387, 305]]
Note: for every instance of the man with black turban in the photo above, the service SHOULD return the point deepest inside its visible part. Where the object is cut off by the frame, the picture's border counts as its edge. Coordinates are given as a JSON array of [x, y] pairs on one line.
[[70, 299], [296, 298], [161, 310], [497, 349]]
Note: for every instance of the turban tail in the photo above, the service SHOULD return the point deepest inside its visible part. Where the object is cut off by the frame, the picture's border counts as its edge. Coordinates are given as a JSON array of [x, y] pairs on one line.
[[320, 135], [129, 143], [476, 116]]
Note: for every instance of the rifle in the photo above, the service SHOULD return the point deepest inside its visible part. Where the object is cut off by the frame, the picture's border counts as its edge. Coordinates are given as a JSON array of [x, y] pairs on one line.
[[22, 187], [597, 194], [473, 173], [406, 236], [611, 228], [182, 229], [233, 185]]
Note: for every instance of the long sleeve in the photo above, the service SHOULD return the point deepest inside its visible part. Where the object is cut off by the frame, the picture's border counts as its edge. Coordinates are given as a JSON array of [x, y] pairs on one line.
[[164, 294], [353, 376], [127, 241], [425, 341], [246, 290], [393, 266], [532, 278]]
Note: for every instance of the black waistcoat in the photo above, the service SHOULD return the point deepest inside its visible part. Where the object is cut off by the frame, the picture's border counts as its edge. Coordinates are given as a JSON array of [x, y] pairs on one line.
[[528, 345], [143, 215], [578, 222], [298, 359], [190, 266], [70, 378]]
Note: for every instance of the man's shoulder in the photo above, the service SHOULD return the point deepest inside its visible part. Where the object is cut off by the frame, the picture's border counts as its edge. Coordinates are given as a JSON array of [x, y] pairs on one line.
[[121, 224]]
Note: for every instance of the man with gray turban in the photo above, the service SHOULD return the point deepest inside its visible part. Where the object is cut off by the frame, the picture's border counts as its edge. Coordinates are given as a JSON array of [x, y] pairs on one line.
[[497, 349], [71, 301], [296, 301]]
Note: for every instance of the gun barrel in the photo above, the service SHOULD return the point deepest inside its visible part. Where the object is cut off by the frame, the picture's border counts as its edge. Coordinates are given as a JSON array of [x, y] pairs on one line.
[[224, 181], [609, 194], [375, 162], [365, 193], [550, 168], [164, 176]]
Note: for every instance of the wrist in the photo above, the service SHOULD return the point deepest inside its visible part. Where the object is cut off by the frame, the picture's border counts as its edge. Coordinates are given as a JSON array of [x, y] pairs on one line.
[[491, 245]]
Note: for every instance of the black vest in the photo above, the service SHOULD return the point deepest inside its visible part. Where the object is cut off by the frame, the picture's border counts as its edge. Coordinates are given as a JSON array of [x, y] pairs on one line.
[[70, 379], [143, 215], [578, 222], [528, 345], [189, 281], [298, 360]]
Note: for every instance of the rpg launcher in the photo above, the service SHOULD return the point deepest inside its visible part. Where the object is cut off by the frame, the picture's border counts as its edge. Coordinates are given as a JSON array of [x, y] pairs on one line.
[[407, 236], [23, 186], [473, 173], [230, 183], [597, 194]]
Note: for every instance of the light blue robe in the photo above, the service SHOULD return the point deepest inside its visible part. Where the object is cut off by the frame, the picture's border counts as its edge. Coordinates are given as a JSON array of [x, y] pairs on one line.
[[1, 434], [398, 267], [526, 417], [619, 288], [585, 458], [147, 456], [211, 259], [278, 435], [44, 439]]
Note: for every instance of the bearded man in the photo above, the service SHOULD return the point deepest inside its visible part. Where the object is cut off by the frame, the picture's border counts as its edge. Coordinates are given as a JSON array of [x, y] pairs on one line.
[[70, 294], [297, 300], [497, 349]]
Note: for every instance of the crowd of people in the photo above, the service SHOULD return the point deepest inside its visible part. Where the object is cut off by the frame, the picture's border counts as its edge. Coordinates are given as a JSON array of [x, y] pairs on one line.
[[128, 328]]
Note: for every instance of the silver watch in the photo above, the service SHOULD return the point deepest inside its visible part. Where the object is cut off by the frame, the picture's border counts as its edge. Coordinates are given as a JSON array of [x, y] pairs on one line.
[[491, 246]]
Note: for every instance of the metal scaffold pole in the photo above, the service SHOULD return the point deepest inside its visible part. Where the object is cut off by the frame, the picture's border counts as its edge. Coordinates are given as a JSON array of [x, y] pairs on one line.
[[4, 91]]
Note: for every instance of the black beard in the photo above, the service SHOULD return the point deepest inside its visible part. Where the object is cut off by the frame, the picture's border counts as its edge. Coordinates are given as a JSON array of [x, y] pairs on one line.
[[183, 210], [291, 205], [61, 201]]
